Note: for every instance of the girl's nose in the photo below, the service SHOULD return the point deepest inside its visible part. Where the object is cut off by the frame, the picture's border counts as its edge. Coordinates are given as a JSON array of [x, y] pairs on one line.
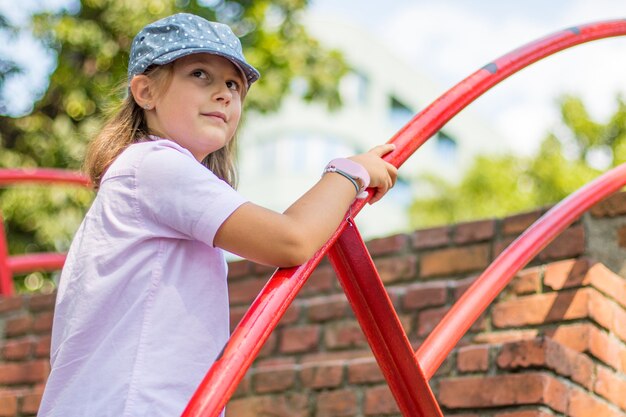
[[223, 93]]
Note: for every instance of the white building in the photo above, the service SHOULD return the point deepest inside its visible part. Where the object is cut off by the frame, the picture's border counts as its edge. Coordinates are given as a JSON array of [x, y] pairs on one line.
[[282, 154]]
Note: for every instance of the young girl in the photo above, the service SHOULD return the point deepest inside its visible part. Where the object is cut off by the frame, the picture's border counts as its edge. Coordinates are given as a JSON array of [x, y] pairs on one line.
[[142, 305]]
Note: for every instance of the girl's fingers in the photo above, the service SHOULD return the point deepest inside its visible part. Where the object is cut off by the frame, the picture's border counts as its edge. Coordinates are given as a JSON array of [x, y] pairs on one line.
[[383, 149]]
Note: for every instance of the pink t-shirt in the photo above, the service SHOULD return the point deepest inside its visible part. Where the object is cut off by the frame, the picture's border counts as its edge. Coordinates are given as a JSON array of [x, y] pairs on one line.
[[142, 305]]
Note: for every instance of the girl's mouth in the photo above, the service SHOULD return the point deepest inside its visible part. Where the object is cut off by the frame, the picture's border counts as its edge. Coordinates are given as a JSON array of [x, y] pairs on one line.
[[216, 114]]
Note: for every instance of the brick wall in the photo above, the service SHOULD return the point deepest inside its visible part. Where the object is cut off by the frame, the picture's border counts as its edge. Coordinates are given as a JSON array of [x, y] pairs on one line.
[[553, 343]]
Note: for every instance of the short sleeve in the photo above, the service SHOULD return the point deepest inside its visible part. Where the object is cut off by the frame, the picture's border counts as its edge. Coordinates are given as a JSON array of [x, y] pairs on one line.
[[179, 195]]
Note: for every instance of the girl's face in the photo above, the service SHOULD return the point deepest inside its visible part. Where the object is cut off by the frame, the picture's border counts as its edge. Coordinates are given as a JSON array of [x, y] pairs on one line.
[[201, 107]]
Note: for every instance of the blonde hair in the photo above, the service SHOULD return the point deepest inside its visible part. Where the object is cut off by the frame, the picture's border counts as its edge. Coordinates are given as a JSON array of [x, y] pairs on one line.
[[128, 125]]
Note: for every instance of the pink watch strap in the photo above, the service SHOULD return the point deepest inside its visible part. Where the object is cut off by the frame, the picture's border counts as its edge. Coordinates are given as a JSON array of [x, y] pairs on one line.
[[354, 170]]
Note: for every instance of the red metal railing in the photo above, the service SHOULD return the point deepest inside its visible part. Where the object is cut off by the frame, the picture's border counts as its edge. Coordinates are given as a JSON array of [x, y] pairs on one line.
[[10, 265], [407, 374]]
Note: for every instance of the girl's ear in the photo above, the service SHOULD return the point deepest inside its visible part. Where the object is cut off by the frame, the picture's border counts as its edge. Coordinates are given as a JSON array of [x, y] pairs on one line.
[[141, 89]]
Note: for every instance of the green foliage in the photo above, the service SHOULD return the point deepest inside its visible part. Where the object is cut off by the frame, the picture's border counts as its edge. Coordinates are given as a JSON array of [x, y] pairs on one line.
[[92, 46], [505, 184]]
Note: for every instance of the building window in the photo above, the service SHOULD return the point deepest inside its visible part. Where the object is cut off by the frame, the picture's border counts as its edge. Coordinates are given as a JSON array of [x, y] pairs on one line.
[[354, 88], [399, 113], [446, 147]]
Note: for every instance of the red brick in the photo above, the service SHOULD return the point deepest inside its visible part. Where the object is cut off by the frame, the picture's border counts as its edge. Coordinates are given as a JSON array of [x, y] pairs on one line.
[[581, 404], [590, 339], [566, 274], [431, 238], [527, 281], [500, 245], [364, 371], [288, 405], [380, 401], [607, 349], [503, 390], [575, 336], [10, 304], [462, 285], [274, 379], [345, 355], [515, 225], [337, 403], [454, 260], [326, 308], [322, 280], [612, 206], [325, 375], [428, 319], [418, 296], [504, 336], [542, 308], [18, 326], [386, 245], [42, 302], [238, 269], [608, 282], [291, 316], [475, 231], [14, 373], [570, 243], [525, 413], [30, 403], [549, 354], [42, 322], [619, 322], [246, 290], [8, 405], [473, 358], [346, 334], [396, 268], [610, 386], [18, 349], [300, 339]]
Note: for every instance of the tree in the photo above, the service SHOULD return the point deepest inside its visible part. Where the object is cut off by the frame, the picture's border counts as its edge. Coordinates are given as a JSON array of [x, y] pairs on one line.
[[506, 184], [92, 45]]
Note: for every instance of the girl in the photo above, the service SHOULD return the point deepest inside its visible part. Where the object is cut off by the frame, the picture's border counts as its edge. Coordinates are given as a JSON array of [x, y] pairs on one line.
[[142, 305]]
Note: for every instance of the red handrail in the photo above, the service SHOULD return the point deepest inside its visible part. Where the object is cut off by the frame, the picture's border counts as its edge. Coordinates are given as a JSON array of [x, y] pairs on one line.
[[10, 265], [265, 312], [492, 281], [42, 176]]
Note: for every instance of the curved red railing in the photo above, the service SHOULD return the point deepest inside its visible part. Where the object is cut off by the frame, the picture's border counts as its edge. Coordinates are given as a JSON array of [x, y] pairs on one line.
[[407, 372], [255, 327], [10, 265], [492, 281]]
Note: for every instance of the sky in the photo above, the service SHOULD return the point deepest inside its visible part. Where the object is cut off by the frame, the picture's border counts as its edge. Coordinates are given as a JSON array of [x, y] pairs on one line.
[[450, 39], [447, 40]]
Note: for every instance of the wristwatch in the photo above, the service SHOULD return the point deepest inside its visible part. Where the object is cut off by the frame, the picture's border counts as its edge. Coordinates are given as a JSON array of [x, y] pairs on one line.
[[353, 171]]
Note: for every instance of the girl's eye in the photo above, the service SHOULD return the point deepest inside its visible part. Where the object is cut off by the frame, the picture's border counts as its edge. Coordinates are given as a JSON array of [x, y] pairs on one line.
[[200, 74], [233, 85]]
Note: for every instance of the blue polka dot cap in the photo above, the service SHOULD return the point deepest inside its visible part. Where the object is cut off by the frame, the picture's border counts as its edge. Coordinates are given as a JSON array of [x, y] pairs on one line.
[[184, 34]]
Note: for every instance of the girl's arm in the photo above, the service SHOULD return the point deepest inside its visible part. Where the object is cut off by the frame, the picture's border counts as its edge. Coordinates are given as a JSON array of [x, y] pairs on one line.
[[291, 238]]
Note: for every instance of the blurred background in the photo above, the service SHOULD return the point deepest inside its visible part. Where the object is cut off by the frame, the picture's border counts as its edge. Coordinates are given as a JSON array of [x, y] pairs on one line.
[[338, 77]]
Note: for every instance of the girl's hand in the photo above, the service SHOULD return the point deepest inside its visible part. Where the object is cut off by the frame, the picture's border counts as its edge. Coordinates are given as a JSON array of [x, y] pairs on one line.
[[303, 228], [383, 175]]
